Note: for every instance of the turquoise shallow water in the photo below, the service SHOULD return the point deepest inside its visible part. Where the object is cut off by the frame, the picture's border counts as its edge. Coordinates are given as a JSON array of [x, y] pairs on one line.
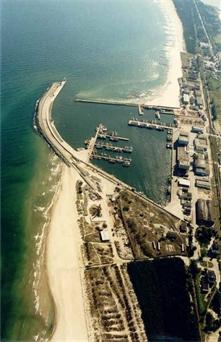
[[106, 49]]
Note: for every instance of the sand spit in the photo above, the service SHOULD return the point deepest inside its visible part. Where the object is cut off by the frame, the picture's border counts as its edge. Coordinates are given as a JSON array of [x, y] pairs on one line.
[[64, 264], [168, 95]]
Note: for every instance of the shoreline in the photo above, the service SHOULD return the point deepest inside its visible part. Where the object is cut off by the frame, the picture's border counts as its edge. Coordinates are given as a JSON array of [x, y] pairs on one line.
[[168, 94], [43, 301], [64, 264], [63, 254]]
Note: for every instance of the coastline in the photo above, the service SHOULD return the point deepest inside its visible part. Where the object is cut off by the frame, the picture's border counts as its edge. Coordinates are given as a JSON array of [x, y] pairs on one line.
[[168, 94], [64, 264], [43, 302], [63, 252]]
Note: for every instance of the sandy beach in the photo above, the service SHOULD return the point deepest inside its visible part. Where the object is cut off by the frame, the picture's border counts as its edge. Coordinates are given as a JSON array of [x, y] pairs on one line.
[[168, 94], [64, 264]]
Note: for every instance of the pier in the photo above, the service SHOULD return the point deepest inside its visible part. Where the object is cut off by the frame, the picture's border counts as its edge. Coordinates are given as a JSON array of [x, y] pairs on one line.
[[118, 159], [92, 142], [163, 109], [151, 124], [102, 133], [43, 124], [112, 137], [112, 148], [140, 110]]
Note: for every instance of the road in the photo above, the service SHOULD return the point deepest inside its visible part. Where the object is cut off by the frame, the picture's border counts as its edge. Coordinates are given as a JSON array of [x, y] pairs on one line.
[[204, 29]]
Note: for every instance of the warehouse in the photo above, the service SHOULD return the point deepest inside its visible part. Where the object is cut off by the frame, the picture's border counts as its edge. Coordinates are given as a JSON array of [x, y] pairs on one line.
[[202, 184], [183, 161], [203, 213], [185, 98], [200, 144], [201, 167], [184, 182], [197, 129], [183, 139]]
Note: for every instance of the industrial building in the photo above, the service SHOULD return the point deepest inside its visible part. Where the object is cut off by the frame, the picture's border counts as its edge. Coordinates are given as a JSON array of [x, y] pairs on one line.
[[201, 167], [200, 144], [183, 160], [202, 184], [184, 182], [183, 139], [199, 101], [197, 129], [104, 234], [186, 99], [203, 213]]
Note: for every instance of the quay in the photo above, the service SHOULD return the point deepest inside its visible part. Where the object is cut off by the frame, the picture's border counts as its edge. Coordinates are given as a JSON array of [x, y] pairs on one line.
[[92, 141], [112, 137], [151, 124], [102, 133], [43, 123], [118, 159], [163, 109], [112, 148], [140, 109]]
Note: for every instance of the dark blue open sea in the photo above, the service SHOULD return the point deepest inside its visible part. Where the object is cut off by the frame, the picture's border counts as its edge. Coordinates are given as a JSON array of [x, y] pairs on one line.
[[109, 49]]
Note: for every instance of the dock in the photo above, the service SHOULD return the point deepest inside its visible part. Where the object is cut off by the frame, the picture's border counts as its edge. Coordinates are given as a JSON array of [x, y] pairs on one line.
[[151, 124], [140, 109], [112, 148], [92, 142], [103, 134], [118, 159], [163, 109], [112, 137]]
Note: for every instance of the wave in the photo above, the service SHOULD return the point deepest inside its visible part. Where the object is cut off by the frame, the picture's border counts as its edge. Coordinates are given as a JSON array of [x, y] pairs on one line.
[[40, 237]]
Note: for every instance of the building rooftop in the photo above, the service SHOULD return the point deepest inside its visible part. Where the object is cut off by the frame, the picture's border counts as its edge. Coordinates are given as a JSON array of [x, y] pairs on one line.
[[184, 182], [104, 235], [203, 212], [183, 158], [200, 163]]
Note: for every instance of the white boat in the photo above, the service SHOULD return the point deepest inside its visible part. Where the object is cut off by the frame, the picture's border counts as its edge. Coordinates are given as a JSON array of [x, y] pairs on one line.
[[157, 114]]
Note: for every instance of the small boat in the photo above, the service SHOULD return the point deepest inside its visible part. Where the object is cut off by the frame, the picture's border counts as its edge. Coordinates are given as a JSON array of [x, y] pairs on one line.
[[120, 159], [126, 163], [102, 136], [114, 138], [111, 160], [127, 149], [157, 114], [99, 146]]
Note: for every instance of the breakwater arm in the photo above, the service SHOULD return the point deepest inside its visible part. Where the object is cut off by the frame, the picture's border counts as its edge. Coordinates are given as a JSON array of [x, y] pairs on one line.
[[46, 127]]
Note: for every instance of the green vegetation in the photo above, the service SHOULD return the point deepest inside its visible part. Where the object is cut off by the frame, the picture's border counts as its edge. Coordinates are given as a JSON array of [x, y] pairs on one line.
[[161, 289], [151, 231], [211, 21], [214, 87], [186, 10], [211, 323], [216, 303], [200, 297], [204, 235]]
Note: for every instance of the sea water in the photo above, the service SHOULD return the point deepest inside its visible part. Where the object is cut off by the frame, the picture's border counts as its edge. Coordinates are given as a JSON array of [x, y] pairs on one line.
[[109, 49]]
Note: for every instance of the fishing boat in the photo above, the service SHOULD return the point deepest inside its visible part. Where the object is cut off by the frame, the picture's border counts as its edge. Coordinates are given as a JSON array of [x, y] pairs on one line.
[[157, 114]]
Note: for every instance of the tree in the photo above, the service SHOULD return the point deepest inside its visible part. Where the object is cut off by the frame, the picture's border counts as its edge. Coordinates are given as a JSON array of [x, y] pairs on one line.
[[204, 234], [194, 269]]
